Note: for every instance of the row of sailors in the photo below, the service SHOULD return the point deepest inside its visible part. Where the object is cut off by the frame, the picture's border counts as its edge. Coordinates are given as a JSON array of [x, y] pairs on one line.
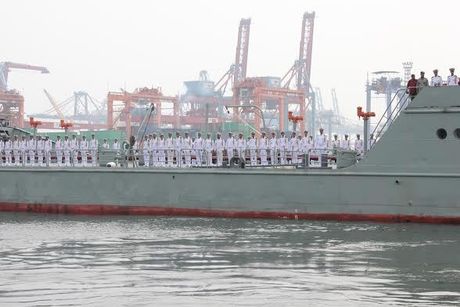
[[161, 151], [36, 150]]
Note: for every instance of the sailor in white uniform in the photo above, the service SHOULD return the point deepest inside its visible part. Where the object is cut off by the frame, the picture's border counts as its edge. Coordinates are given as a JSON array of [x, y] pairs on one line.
[[241, 147], [116, 145], [452, 80], [30, 144], [178, 149], [321, 146], [359, 145], [153, 147], [345, 143], [74, 147], [436, 80], [219, 146], [2, 151], [84, 151], [230, 147], [40, 150], [371, 142], [93, 147], [282, 147], [47, 146], [293, 148], [262, 146], [161, 150], [334, 143], [58, 147], [67, 146], [208, 148], [8, 147], [105, 145], [273, 145], [186, 146], [16, 150], [304, 145], [252, 146], [198, 147], [169, 147], [146, 151], [23, 149]]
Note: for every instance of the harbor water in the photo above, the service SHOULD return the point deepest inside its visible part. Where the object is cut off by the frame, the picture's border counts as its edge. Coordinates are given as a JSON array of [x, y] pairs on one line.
[[64, 260]]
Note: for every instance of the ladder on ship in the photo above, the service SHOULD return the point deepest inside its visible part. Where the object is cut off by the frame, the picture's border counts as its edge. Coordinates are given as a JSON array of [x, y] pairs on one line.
[[398, 103]]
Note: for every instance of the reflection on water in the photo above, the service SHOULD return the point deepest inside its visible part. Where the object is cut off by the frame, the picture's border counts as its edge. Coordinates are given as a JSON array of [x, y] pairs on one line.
[[78, 260]]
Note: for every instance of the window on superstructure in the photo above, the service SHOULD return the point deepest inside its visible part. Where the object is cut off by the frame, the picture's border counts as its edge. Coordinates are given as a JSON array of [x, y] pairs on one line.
[[457, 133], [441, 133]]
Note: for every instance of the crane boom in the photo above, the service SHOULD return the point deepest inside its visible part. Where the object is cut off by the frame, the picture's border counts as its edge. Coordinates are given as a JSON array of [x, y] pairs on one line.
[[305, 52], [242, 47], [55, 105], [5, 68]]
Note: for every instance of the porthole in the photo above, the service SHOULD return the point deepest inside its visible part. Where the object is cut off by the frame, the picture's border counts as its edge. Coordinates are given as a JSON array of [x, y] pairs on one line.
[[441, 133], [457, 133]]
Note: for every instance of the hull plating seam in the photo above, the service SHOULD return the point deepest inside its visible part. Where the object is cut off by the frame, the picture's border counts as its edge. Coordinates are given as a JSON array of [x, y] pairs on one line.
[[95, 209]]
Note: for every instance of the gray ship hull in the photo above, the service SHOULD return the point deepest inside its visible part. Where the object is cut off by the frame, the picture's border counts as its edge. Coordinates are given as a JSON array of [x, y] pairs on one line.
[[412, 174], [398, 197]]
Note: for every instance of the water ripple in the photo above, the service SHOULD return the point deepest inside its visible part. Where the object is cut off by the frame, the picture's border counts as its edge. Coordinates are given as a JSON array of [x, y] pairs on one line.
[[71, 260]]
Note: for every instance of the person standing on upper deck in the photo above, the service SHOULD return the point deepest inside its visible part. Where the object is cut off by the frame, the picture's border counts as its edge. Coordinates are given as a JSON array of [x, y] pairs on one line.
[[421, 82], [436, 80], [452, 80], [411, 87]]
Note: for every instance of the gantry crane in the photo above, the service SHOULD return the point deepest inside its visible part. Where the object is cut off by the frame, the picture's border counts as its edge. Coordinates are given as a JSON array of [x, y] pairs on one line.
[[5, 68], [11, 102], [301, 69], [238, 70]]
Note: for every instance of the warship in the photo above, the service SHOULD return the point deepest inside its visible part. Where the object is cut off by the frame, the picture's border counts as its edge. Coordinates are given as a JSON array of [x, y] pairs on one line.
[[411, 174]]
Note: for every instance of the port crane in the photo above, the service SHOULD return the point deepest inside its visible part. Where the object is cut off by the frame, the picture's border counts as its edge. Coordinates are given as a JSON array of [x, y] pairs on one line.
[[5, 68]]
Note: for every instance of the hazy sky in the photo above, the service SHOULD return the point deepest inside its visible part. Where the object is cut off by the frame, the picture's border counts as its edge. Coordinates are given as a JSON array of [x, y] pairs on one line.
[[106, 45]]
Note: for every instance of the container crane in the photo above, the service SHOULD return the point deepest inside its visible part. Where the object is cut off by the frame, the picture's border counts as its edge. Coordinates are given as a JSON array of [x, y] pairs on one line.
[[238, 70], [5, 68]]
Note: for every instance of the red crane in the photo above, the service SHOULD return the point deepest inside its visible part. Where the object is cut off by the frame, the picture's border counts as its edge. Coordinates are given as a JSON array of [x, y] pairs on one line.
[[5, 68], [238, 70], [301, 70], [242, 48]]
